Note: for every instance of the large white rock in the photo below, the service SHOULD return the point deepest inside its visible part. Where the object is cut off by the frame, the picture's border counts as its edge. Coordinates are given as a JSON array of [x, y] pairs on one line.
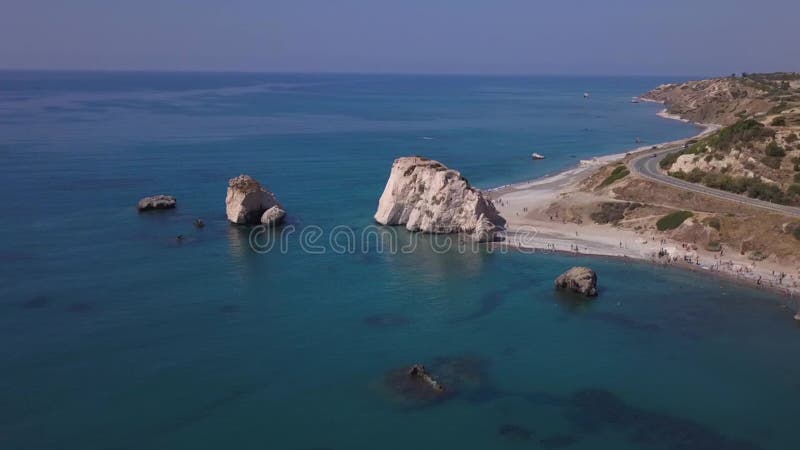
[[247, 200], [426, 196]]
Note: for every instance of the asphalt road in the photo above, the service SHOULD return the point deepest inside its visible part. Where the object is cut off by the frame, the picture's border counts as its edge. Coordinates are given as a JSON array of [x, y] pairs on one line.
[[646, 166]]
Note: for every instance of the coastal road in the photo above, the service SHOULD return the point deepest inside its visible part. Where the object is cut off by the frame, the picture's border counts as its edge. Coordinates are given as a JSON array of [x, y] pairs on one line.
[[646, 166]]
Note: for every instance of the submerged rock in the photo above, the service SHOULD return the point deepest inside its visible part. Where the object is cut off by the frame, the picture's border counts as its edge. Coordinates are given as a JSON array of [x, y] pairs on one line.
[[418, 371], [515, 432], [156, 202], [247, 200], [579, 279], [273, 216], [426, 196]]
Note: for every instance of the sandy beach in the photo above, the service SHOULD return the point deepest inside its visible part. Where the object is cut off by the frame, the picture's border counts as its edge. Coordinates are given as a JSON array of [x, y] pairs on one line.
[[531, 225]]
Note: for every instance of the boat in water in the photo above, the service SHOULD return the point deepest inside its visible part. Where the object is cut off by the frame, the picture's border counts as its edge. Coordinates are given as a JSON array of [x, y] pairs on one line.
[[537, 156]]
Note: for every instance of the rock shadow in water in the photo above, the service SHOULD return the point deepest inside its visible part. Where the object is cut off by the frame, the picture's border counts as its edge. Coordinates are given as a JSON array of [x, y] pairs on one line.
[[515, 432], [229, 309], [492, 300], [39, 301], [598, 410], [80, 308], [387, 320], [624, 321], [558, 441]]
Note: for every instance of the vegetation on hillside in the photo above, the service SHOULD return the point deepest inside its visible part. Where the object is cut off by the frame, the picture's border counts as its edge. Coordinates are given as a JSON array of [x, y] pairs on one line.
[[618, 173], [751, 186], [673, 220]]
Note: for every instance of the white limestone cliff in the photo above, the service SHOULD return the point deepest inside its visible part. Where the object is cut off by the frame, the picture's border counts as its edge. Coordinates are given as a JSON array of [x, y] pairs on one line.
[[426, 196]]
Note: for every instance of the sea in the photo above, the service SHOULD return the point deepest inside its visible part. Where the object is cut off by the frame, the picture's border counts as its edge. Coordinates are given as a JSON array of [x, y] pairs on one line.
[[128, 330]]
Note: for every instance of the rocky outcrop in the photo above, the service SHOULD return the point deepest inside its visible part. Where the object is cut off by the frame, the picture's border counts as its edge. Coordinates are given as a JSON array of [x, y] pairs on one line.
[[273, 216], [156, 202], [426, 196], [247, 200], [582, 280], [718, 100], [418, 371]]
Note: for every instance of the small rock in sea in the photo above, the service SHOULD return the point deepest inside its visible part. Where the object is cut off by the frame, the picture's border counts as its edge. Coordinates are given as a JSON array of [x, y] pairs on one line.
[[198, 223], [418, 371], [156, 202], [247, 200], [273, 216], [515, 432], [582, 280]]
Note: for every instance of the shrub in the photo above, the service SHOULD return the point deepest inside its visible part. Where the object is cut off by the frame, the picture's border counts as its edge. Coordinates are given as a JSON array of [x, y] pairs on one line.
[[610, 212], [791, 138], [779, 121], [741, 132], [796, 232], [773, 149], [713, 246], [714, 223], [669, 160], [767, 192], [695, 176], [673, 220], [771, 161], [797, 177], [618, 173]]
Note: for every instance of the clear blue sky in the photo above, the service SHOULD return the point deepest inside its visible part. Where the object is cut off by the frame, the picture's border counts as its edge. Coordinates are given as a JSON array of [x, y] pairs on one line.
[[418, 36]]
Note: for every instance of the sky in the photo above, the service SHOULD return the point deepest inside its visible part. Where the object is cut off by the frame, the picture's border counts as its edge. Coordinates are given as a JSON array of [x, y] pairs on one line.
[[581, 37]]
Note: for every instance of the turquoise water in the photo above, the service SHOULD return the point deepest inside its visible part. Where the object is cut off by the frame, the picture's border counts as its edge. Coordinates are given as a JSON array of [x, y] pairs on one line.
[[115, 336]]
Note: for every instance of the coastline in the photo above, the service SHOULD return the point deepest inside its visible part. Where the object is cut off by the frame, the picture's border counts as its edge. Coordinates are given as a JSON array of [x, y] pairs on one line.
[[530, 227]]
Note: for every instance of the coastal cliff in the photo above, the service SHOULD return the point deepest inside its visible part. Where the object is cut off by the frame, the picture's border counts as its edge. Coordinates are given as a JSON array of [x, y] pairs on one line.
[[722, 101], [424, 195], [757, 152]]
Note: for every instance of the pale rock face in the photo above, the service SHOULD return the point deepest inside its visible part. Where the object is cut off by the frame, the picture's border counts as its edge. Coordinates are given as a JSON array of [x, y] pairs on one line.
[[582, 280], [426, 196], [247, 200], [156, 202], [273, 216]]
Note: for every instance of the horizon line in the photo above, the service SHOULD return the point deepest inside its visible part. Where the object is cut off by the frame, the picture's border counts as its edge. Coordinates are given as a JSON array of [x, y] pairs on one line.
[[355, 72]]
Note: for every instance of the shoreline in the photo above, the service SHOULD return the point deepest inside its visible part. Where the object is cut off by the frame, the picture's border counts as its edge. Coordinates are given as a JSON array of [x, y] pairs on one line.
[[532, 231]]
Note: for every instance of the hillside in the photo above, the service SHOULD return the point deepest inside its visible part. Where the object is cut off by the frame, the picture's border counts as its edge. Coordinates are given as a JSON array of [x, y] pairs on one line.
[[725, 101], [758, 152]]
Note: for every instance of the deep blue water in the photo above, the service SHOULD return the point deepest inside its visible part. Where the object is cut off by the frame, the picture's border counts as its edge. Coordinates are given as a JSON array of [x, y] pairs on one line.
[[115, 336]]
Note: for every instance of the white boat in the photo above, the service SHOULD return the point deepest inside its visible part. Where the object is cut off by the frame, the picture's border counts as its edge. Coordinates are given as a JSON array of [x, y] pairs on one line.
[[585, 95], [536, 156], [635, 100]]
